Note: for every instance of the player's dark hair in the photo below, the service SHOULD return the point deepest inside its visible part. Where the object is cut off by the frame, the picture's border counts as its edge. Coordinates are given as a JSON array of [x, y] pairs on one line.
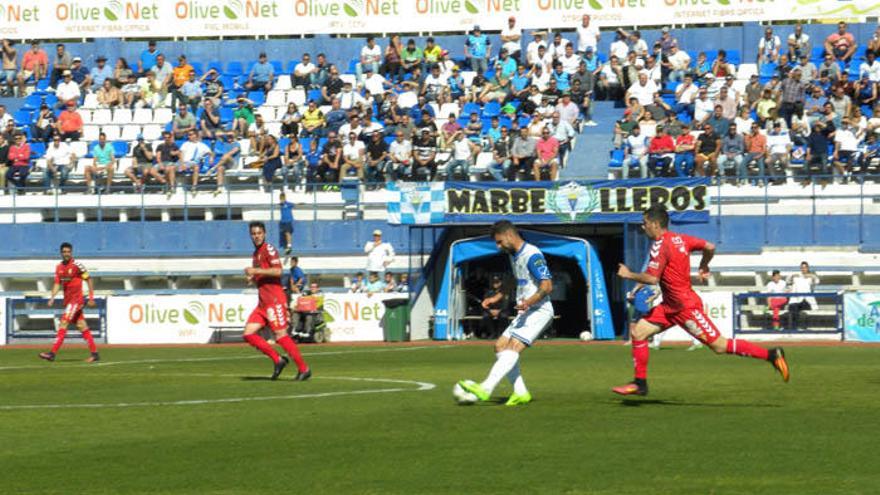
[[657, 213], [775, 272], [805, 263], [65, 245], [502, 226], [294, 258], [255, 223]]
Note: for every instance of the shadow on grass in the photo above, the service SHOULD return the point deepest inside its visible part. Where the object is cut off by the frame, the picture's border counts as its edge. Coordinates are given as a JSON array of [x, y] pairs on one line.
[[256, 379], [680, 403]]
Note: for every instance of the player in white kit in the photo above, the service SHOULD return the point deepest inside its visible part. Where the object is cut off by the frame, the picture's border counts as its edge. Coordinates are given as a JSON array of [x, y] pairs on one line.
[[534, 314]]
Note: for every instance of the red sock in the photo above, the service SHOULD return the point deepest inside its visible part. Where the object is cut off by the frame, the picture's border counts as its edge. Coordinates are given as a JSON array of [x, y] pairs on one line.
[[59, 339], [640, 358], [262, 346], [745, 348], [293, 351], [87, 335]]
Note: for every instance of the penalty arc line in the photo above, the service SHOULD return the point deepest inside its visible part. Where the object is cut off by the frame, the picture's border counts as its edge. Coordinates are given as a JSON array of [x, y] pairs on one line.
[[422, 387]]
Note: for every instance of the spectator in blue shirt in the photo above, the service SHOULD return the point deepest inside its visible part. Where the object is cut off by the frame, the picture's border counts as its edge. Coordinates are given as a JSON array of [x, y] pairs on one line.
[[562, 78], [508, 64], [80, 75], [313, 160], [476, 49], [285, 226], [262, 75], [295, 280], [191, 92], [147, 59], [101, 71], [104, 161]]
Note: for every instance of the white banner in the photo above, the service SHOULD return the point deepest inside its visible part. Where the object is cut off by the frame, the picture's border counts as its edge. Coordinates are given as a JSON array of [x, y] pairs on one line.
[[46, 19], [355, 317], [174, 319], [2, 320], [718, 306]]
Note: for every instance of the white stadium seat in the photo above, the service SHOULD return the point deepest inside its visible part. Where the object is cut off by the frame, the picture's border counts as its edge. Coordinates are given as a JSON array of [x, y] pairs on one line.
[[745, 71], [162, 116], [90, 133], [143, 116], [80, 148], [274, 128], [349, 78], [112, 132], [122, 116], [283, 82], [276, 98], [90, 101], [449, 108], [468, 77], [102, 116], [407, 99], [152, 132], [297, 96], [130, 132]]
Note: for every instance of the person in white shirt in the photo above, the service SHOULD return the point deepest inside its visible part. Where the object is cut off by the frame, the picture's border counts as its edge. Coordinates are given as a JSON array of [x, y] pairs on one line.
[[305, 72], [799, 43], [67, 90], [353, 126], [433, 85], [685, 95], [544, 60], [743, 121], [635, 42], [619, 48], [400, 152], [463, 153], [59, 161], [776, 286], [643, 90], [588, 35], [635, 153], [768, 47], [703, 106], [353, 155], [379, 254], [376, 84], [871, 67], [511, 36], [349, 98], [532, 49], [371, 56], [802, 282], [678, 62], [846, 148], [779, 148], [570, 60], [195, 156]]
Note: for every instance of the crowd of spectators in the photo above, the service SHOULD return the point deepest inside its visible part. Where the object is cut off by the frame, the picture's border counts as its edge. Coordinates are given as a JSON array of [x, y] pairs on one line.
[[688, 117]]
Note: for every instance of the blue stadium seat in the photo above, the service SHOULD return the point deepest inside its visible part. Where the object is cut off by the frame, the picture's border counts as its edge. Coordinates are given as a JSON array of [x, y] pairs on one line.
[[120, 148], [226, 114], [352, 66], [277, 67], [492, 109], [767, 70], [23, 117], [258, 97], [314, 94], [198, 68], [282, 144], [32, 102], [470, 108], [216, 65], [291, 65], [734, 57], [38, 149], [234, 69], [51, 100], [524, 120], [616, 160]]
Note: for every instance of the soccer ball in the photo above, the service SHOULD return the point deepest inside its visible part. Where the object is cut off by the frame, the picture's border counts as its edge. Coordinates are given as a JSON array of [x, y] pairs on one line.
[[462, 396], [586, 335]]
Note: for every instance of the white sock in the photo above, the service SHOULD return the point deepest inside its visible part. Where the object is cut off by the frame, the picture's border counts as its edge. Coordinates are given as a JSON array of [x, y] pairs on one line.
[[505, 361], [516, 379]]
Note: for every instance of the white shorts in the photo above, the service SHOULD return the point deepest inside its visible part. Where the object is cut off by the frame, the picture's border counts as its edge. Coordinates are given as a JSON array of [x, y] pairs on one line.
[[527, 327]]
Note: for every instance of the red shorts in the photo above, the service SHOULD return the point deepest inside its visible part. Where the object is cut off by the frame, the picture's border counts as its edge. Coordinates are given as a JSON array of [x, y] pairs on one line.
[[73, 312], [272, 315], [703, 329]]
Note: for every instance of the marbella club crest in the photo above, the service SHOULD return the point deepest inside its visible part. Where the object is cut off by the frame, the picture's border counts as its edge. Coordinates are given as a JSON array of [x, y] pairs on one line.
[[572, 201]]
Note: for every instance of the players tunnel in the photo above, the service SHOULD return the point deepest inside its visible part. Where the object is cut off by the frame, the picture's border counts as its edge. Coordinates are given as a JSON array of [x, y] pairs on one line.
[[580, 297]]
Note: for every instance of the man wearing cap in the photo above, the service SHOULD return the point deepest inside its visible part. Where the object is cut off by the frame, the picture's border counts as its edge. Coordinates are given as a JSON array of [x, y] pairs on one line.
[[261, 76], [511, 35], [678, 63], [496, 309], [81, 74], [34, 63], [59, 158], [62, 62], [476, 50], [379, 254], [44, 125], [809, 72], [532, 56], [768, 47], [101, 71], [69, 124], [587, 35], [424, 155], [147, 58], [67, 90], [667, 41], [144, 159]]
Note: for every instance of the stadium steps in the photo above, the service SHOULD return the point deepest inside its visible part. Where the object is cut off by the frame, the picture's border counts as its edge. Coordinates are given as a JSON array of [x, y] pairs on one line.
[[589, 159]]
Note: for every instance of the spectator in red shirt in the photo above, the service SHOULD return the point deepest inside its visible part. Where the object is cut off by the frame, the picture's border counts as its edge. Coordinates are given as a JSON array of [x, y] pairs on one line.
[[684, 154], [70, 123], [19, 163], [661, 152], [548, 154], [841, 45], [34, 63]]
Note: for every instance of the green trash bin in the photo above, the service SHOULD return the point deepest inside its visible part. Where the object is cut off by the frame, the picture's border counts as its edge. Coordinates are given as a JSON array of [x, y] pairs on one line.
[[394, 323]]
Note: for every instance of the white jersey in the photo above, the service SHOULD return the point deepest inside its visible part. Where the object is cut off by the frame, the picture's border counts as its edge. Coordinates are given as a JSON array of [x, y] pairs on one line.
[[530, 268]]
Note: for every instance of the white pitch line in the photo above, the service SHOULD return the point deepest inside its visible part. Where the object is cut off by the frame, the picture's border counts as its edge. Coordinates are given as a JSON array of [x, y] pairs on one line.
[[422, 387], [223, 358]]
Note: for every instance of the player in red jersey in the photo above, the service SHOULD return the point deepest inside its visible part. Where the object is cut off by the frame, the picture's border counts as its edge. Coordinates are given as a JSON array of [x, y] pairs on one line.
[[70, 275], [271, 311], [670, 266]]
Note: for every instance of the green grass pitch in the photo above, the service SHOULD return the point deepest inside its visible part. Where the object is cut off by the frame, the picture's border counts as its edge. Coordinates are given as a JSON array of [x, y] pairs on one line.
[[205, 420]]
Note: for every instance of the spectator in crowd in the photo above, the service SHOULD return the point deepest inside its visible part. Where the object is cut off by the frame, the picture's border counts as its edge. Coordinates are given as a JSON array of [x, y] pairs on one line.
[[464, 151], [213, 87], [756, 151], [292, 159], [635, 42], [285, 224], [768, 47], [685, 95], [332, 85], [587, 35], [229, 151], [261, 76], [100, 72], [296, 277], [717, 121], [195, 157], [380, 254], [411, 57], [148, 59], [623, 128], [374, 285], [312, 159], [81, 75], [523, 154], [190, 93], [18, 157], [564, 133], [183, 122], [792, 95], [728, 104], [816, 160], [44, 124], [323, 70], [69, 123], [167, 159], [779, 149], [400, 153], [304, 73], [424, 155], [109, 96], [60, 159], [496, 309], [874, 42], [151, 91], [685, 144], [765, 106], [511, 36], [270, 157], [104, 162], [829, 70], [635, 153], [62, 62], [609, 82], [661, 153], [371, 56], [163, 73], [708, 148], [67, 90], [501, 158], [353, 156], [377, 158], [799, 44], [34, 63], [9, 56], [841, 44], [243, 117], [477, 50], [210, 125], [143, 165], [390, 284], [776, 286], [643, 90], [677, 64], [331, 159], [733, 148], [801, 283], [392, 67], [847, 157], [532, 57], [313, 121]]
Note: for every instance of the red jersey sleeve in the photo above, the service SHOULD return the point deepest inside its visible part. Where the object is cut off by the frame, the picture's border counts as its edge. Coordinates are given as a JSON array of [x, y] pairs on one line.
[[270, 257], [57, 274], [693, 243], [83, 273], [658, 259]]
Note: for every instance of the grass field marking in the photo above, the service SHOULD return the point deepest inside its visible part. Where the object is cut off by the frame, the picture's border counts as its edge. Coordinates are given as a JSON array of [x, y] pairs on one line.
[[422, 387], [219, 358]]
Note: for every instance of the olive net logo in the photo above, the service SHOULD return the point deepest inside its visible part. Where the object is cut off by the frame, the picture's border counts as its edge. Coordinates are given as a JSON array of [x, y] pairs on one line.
[[189, 313], [113, 10], [232, 9], [332, 310], [334, 8]]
